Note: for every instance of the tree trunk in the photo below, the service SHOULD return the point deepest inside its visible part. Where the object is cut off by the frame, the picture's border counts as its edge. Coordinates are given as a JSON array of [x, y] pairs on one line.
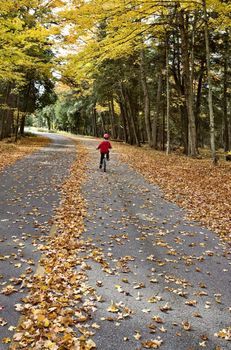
[[132, 128], [102, 123], [210, 96], [26, 98], [124, 121], [179, 81], [198, 100], [192, 149], [48, 123], [5, 129], [157, 111], [167, 99], [2, 134], [132, 119], [22, 124], [146, 99], [199, 90], [94, 124], [112, 117], [163, 128], [125, 114], [225, 95], [17, 120]]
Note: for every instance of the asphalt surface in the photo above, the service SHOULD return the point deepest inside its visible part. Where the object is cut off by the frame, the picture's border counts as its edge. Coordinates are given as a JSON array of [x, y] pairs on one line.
[[155, 266], [159, 265], [29, 194]]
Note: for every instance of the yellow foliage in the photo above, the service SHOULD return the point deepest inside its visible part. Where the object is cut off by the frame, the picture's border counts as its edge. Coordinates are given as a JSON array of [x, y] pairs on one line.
[[24, 34], [100, 108], [110, 30]]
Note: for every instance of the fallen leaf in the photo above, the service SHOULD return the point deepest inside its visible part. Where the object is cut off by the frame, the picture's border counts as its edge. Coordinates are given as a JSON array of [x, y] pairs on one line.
[[152, 344], [113, 308], [186, 325]]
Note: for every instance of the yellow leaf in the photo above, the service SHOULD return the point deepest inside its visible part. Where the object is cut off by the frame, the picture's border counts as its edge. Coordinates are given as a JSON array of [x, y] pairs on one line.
[[137, 336], [46, 322], [152, 344], [186, 325], [225, 333], [6, 340], [50, 345], [113, 308], [90, 344]]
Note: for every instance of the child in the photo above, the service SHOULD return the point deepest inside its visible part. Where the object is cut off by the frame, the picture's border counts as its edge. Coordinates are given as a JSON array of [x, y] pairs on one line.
[[104, 147]]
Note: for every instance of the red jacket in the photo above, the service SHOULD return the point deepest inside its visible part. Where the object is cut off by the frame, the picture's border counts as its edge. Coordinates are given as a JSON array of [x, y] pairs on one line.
[[104, 146]]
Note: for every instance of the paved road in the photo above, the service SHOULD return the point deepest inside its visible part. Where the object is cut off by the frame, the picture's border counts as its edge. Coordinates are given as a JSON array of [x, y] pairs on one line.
[[158, 262], [29, 193], [160, 265]]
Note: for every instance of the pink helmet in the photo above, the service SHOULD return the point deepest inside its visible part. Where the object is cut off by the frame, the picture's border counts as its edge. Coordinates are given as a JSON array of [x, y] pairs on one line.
[[106, 136]]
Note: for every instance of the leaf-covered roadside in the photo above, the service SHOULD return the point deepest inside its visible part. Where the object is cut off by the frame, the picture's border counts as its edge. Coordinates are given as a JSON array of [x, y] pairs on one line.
[[194, 184], [10, 152], [59, 301]]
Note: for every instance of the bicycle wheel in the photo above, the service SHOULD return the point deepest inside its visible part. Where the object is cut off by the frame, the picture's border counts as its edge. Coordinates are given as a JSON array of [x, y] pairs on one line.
[[104, 164]]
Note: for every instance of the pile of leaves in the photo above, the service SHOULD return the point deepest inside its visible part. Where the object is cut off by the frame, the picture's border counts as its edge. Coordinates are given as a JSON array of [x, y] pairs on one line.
[[195, 184], [60, 301], [10, 152]]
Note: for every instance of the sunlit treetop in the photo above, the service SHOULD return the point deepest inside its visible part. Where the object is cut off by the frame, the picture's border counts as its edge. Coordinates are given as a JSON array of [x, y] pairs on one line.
[[102, 30], [26, 31]]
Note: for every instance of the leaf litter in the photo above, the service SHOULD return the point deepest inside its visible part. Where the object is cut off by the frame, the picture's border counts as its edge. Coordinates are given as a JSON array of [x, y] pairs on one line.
[[195, 184], [60, 303], [10, 152]]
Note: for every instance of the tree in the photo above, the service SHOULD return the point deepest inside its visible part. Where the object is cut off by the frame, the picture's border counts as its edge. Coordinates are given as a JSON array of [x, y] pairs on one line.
[[25, 57], [116, 65]]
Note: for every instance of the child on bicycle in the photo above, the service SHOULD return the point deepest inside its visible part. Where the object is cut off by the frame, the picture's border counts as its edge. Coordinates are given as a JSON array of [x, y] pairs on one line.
[[104, 147]]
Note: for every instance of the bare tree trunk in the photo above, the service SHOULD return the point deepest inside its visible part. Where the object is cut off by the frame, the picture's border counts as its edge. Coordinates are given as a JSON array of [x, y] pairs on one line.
[[192, 51], [48, 123], [26, 98], [124, 121], [199, 89], [225, 95], [179, 81], [102, 123], [94, 124], [125, 114], [17, 120], [198, 102], [2, 134], [167, 99], [22, 124], [157, 111], [192, 149], [131, 116], [112, 117], [146, 99], [6, 129], [163, 128], [210, 96]]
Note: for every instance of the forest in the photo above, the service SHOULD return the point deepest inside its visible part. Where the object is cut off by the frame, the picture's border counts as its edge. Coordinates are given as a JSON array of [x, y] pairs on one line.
[[154, 72]]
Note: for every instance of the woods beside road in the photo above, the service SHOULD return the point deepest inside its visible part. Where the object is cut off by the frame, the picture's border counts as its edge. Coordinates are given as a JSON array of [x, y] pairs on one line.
[[125, 268]]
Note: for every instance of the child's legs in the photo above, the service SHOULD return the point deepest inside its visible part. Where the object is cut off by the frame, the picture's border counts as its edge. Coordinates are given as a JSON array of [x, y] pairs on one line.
[[107, 155], [101, 158]]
